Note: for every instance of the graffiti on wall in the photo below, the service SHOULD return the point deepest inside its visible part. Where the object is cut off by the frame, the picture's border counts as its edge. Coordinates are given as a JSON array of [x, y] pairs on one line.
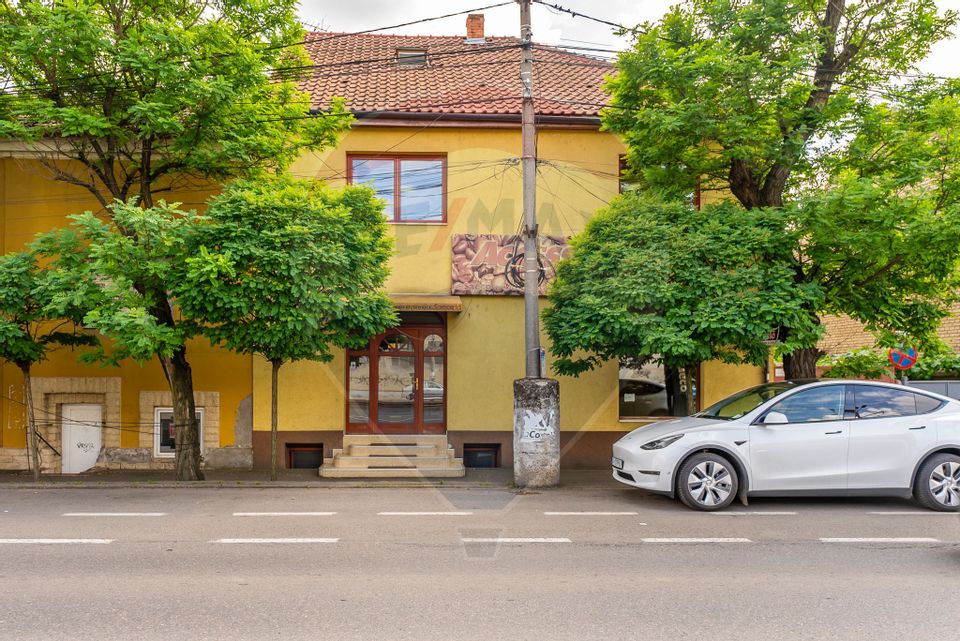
[[492, 264]]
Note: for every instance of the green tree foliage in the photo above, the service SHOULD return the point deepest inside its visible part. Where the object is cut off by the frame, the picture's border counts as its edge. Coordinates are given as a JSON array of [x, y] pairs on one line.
[[664, 281], [286, 269], [802, 105], [133, 99], [36, 315], [143, 95], [873, 363]]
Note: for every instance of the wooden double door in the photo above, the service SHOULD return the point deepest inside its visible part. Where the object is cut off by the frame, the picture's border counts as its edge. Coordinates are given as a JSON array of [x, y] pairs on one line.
[[398, 384]]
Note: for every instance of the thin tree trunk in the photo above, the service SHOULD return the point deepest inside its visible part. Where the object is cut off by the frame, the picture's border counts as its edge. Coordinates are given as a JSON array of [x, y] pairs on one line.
[[180, 377], [689, 373], [31, 423], [801, 363], [275, 374]]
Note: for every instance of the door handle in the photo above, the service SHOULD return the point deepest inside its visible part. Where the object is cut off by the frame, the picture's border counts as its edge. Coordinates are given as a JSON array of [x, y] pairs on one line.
[[922, 427], [837, 432]]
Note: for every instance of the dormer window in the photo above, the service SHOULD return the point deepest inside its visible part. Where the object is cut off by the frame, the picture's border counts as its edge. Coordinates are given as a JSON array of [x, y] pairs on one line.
[[412, 57]]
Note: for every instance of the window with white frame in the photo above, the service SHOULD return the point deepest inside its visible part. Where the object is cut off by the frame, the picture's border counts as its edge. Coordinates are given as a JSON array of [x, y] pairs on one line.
[[165, 432]]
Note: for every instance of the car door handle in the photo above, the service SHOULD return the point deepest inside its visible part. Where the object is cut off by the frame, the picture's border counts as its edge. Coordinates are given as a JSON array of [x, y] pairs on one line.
[[922, 427], [837, 432]]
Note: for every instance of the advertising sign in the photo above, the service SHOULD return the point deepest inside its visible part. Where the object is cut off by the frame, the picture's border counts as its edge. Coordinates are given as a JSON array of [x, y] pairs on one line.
[[492, 264]]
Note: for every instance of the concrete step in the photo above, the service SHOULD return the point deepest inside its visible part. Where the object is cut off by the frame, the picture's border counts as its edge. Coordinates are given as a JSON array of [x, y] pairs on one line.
[[398, 450], [394, 439], [329, 471], [395, 461]]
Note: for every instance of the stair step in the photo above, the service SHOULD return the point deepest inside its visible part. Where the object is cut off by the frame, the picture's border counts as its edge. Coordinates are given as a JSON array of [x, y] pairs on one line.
[[394, 439], [398, 450], [394, 461], [328, 471]]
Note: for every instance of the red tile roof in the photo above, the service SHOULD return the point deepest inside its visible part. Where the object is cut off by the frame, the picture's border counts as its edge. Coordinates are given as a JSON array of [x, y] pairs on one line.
[[460, 78]]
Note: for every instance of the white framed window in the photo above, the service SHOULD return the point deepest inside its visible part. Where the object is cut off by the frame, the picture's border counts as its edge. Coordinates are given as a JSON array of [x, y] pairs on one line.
[[165, 432]]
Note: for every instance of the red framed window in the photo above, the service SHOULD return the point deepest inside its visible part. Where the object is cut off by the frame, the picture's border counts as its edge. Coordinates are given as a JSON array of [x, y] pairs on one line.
[[413, 187]]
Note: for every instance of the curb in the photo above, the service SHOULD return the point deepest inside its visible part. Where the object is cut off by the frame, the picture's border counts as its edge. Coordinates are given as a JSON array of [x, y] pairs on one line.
[[253, 485]]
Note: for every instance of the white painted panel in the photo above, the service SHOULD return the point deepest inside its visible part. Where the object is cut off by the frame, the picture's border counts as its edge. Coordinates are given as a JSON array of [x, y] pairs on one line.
[[82, 436]]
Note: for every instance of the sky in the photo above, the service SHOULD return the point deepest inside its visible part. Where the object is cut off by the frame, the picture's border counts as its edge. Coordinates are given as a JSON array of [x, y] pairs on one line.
[[549, 27]]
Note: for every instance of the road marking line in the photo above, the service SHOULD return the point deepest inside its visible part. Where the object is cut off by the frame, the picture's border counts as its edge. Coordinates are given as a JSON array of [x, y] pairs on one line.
[[703, 540], [515, 540], [590, 514], [59, 541], [284, 513], [114, 514], [881, 540], [754, 513], [275, 541], [914, 513], [424, 513]]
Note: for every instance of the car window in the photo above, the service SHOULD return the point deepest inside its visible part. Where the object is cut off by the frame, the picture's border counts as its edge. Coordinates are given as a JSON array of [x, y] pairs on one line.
[[735, 406], [927, 404], [813, 405], [873, 401]]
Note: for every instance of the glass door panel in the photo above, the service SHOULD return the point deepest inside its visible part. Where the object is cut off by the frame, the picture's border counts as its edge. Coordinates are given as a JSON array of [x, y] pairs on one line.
[[396, 390], [359, 386], [433, 390]]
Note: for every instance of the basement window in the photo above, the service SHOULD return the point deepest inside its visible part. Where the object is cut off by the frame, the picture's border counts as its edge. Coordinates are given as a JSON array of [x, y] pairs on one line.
[[481, 455], [304, 456], [412, 57], [165, 432]]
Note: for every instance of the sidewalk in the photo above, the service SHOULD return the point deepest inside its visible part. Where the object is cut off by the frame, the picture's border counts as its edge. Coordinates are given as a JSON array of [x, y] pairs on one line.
[[499, 478]]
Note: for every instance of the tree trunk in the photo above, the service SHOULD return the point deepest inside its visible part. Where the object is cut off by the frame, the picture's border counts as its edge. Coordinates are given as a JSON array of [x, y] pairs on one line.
[[801, 363], [31, 423], [180, 377], [689, 373], [275, 374]]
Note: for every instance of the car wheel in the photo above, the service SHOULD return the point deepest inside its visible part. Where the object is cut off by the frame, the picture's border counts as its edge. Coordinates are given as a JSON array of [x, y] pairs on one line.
[[707, 482], [938, 483]]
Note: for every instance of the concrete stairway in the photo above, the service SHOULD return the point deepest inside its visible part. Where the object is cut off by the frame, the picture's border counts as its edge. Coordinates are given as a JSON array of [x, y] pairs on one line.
[[393, 456]]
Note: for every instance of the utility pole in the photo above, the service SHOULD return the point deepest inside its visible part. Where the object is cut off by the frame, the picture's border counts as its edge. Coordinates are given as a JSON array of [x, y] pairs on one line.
[[536, 400], [531, 264]]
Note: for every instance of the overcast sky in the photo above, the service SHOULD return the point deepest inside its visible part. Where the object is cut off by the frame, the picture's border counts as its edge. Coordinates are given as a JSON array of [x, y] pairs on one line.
[[548, 26]]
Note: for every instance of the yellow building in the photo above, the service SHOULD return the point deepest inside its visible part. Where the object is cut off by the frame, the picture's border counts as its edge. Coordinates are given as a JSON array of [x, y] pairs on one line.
[[438, 136]]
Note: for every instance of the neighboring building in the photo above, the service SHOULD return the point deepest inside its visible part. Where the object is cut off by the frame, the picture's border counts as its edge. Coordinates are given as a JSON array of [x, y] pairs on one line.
[[438, 136]]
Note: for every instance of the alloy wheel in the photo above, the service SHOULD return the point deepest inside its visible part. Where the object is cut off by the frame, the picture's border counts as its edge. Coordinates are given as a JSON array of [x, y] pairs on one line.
[[710, 483], [945, 484]]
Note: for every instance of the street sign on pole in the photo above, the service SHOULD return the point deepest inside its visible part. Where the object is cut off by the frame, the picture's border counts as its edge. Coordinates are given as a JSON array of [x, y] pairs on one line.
[[903, 358]]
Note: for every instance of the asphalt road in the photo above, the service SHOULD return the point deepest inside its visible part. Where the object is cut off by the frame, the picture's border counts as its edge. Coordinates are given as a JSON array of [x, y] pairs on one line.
[[468, 564]]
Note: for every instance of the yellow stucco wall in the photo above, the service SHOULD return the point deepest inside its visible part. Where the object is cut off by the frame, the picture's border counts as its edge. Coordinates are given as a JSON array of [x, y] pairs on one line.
[[719, 380], [30, 202], [577, 174]]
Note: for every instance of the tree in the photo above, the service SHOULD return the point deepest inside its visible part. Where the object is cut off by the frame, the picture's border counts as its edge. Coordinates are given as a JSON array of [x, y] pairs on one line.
[[35, 317], [663, 281], [797, 105], [133, 99], [287, 268]]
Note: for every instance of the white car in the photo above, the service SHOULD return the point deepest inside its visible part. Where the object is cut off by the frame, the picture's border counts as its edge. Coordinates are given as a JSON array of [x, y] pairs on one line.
[[808, 438]]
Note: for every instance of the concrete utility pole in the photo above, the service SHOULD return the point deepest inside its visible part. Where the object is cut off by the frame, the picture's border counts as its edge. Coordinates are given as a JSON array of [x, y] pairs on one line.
[[536, 400]]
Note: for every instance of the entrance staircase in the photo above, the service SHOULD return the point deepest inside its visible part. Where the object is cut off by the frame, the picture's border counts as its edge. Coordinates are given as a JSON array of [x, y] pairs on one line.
[[393, 456]]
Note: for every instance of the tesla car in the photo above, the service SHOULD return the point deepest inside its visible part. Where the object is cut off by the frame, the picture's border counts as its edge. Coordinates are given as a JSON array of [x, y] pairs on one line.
[[816, 437]]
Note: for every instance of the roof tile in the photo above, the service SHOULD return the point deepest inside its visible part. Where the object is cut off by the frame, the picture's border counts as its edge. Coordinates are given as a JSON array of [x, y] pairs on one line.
[[459, 78]]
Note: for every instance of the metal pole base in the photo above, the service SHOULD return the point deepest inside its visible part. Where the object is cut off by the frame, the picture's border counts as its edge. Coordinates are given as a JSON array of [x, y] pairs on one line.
[[536, 432]]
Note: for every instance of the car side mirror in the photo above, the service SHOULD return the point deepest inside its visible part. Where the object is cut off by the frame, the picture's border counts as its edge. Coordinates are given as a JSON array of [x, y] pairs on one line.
[[775, 418]]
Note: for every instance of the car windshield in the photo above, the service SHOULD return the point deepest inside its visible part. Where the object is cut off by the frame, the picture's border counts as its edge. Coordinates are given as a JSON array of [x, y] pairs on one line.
[[741, 403]]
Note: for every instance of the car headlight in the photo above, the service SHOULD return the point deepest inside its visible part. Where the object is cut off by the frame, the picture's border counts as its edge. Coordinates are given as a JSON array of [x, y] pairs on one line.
[[661, 443]]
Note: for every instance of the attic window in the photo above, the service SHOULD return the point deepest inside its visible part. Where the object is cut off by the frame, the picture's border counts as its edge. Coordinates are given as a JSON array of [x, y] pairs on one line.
[[412, 57]]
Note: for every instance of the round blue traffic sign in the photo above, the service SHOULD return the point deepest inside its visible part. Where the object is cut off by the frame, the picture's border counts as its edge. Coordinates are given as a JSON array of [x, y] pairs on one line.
[[903, 357]]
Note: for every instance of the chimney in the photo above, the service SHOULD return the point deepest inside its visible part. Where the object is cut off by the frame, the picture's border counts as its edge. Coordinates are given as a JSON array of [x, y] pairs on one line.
[[475, 29]]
